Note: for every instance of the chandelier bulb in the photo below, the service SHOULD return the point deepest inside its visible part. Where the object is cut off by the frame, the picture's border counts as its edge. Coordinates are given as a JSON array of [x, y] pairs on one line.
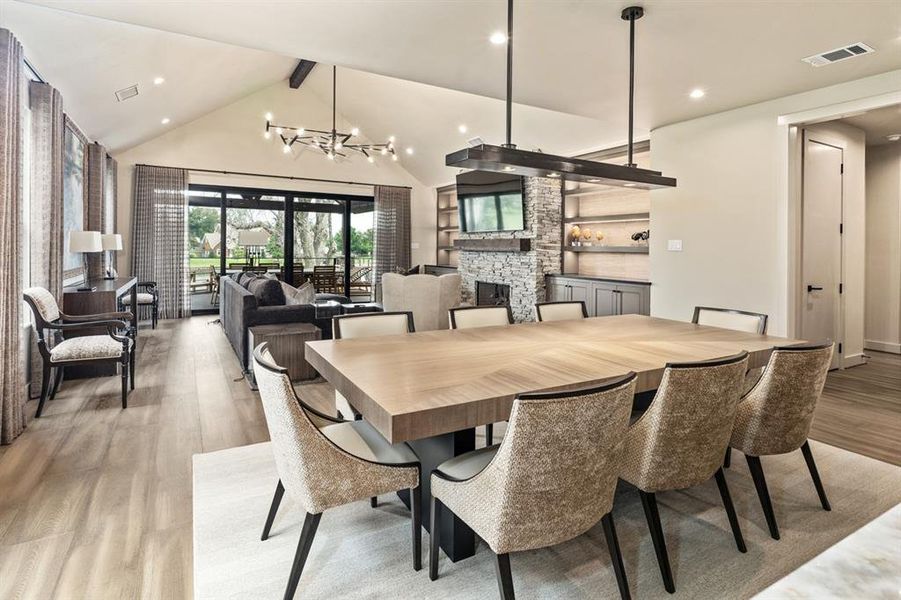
[[331, 155], [394, 157], [267, 135], [370, 159], [286, 148], [384, 151], [354, 131], [268, 116], [338, 145], [299, 131], [279, 130]]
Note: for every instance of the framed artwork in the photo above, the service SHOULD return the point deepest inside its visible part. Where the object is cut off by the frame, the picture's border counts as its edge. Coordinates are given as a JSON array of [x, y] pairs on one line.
[[74, 195]]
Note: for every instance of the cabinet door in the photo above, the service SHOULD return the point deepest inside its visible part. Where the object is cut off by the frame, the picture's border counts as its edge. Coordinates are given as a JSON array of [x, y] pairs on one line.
[[580, 290], [557, 290], [606, 300], [633, 300]]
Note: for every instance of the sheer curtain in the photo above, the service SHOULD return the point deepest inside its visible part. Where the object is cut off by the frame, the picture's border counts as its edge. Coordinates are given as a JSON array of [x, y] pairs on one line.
[[12, 380], [160, 237], [392, 233]]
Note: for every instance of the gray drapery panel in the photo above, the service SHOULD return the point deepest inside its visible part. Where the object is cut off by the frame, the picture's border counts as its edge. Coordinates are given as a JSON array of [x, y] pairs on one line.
[[110, 207], [97, 217], [392, 232], [46, 220], [12, 364], [160, 236]]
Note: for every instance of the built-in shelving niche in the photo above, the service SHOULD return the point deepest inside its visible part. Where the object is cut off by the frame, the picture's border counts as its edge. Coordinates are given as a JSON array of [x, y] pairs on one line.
[[616, 212], [448, 226]]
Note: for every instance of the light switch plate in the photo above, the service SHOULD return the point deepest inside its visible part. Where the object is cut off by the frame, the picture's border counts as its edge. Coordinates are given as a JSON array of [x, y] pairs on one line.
[[674, 245]]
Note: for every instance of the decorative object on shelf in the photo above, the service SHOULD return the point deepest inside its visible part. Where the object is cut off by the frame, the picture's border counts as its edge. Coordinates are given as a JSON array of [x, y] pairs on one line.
[[85, 242], [332, 143], [112, 242], [576, 235], [253, 240], [599, 236], [642, 236], [586, 236]]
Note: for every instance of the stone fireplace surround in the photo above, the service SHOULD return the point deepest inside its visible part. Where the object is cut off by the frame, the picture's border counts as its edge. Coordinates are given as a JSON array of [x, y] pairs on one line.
[[524, 272]]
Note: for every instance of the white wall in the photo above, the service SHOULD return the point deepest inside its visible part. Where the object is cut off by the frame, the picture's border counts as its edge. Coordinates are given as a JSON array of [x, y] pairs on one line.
[[231, 138], [733, 207], [852, 141], [883, 280]]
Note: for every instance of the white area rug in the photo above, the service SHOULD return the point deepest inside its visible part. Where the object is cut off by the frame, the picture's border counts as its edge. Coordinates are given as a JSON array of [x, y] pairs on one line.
[[360, 552]]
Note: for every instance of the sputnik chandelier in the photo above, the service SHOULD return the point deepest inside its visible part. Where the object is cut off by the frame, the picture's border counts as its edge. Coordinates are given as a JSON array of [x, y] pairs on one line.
[[331, 143]]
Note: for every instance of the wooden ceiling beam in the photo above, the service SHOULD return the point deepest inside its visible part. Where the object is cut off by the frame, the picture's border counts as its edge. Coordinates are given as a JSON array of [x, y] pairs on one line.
[[300, 73]]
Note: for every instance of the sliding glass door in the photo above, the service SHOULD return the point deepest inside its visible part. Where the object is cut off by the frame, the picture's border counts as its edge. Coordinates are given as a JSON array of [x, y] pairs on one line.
[[295, 236]]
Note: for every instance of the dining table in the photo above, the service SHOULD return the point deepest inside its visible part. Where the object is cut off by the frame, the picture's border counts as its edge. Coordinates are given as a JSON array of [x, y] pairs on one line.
[[431, 389]]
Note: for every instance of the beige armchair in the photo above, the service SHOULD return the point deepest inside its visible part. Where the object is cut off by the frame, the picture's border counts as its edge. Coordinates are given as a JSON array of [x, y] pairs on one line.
[[680, 440], [551, 479], [326, 462], [775, 416], [428, 297]]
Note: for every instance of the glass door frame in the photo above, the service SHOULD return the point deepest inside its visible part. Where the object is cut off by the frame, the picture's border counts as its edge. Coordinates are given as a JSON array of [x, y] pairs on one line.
[[293, 202]]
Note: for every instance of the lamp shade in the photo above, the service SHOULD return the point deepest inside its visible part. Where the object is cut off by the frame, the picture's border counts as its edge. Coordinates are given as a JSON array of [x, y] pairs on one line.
[[112, 241], [85, 241], [253, 237]]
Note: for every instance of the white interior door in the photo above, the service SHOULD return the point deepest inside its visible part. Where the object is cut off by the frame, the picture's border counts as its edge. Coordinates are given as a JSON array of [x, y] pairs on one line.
[[821, 253]]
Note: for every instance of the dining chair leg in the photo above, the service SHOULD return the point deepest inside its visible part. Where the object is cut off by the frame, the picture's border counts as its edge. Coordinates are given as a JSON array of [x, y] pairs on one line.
[[310, 524], [730, 510], [156, 315], [815, 475], [57, 382], [131, 363], [727, 462], [649, 503], [273, 508], [416, 518], [45, 389], [489, 434], [764, 494], [615, 556], [125, 381], [434, 537], [504, 576]]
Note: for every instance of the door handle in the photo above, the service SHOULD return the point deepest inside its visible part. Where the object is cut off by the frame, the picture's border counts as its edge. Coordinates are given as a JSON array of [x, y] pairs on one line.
[[813, 288]]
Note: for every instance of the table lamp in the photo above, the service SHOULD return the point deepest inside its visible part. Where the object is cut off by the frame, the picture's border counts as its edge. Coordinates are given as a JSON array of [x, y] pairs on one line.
[[85, 242], [112, 242]]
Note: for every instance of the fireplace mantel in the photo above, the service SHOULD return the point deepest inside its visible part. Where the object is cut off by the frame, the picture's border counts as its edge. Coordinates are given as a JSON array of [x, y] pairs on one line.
[[494, 244]]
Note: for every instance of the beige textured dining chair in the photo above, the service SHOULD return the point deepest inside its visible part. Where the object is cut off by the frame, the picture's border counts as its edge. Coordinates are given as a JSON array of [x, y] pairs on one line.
[[775, 416], [561, 311], [325, 462], [551, 479], [469, 317], [680, 440], [737, 320], [361, 325]]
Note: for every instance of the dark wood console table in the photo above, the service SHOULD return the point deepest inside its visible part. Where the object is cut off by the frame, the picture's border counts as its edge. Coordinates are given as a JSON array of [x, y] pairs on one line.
[[104, 298]]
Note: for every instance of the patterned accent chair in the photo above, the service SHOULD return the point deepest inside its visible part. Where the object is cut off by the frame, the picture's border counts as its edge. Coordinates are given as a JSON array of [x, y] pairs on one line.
[[775, 416], [551, 479], [680, 440], [737, 320], [116, 346], [149, 297], [468, 317], [564, 310], [327, 462]]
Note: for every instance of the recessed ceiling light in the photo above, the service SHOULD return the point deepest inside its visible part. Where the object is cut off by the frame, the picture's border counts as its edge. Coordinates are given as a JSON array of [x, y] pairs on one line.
[[893, 137], [697, 93], [165, 121], [628, 185], [462, 129], [409, 150], [159, 81], [498, 37]]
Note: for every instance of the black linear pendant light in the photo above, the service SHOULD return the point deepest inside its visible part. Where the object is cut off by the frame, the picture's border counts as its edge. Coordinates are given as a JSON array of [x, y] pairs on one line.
[[506, 158]]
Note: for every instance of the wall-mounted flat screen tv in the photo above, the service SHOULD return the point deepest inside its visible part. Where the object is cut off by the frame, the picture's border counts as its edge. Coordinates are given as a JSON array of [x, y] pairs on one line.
[[490, 202]]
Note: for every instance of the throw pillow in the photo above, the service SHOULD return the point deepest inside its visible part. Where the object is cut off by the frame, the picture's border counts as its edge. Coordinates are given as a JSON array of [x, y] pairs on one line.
[[268, 292], [305, 294]]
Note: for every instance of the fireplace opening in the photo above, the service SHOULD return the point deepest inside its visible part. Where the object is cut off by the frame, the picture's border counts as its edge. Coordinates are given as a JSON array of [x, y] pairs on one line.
[[492, 294]]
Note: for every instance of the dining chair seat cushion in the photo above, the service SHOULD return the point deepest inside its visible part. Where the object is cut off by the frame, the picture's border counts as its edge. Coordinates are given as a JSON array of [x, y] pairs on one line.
[[360, 439], [143, 298], [86, 348], [467, 466]]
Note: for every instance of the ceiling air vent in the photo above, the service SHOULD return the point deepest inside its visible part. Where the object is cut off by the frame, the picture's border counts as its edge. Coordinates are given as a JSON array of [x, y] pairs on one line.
[[838, 55], [126, 93]]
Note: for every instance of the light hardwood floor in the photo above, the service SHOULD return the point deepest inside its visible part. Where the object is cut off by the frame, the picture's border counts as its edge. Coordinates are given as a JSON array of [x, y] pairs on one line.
[[95, 502]]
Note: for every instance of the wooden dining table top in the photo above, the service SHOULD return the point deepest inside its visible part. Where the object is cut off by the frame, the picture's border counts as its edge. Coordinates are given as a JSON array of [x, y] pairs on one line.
[[429, 383]]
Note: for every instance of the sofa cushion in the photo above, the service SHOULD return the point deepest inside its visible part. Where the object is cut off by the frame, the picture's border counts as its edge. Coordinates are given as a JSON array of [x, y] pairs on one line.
[[305, 294], [268, 292], [245, 278]]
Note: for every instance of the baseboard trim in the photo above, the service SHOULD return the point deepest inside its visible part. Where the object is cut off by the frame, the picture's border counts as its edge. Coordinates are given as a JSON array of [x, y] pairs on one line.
[[853, 360], [882, 346]]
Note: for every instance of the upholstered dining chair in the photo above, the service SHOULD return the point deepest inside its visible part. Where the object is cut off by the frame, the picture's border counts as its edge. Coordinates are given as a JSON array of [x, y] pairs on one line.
[[116, 346], [680, 440], [468, 317], [775, 416], [551, 479], [149, 297], [326, 462], [561, 311]]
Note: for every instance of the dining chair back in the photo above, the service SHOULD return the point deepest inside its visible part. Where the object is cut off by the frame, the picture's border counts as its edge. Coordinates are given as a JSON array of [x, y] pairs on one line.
[[362, 325], [729, 318], [468, 317], [561, 311]]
